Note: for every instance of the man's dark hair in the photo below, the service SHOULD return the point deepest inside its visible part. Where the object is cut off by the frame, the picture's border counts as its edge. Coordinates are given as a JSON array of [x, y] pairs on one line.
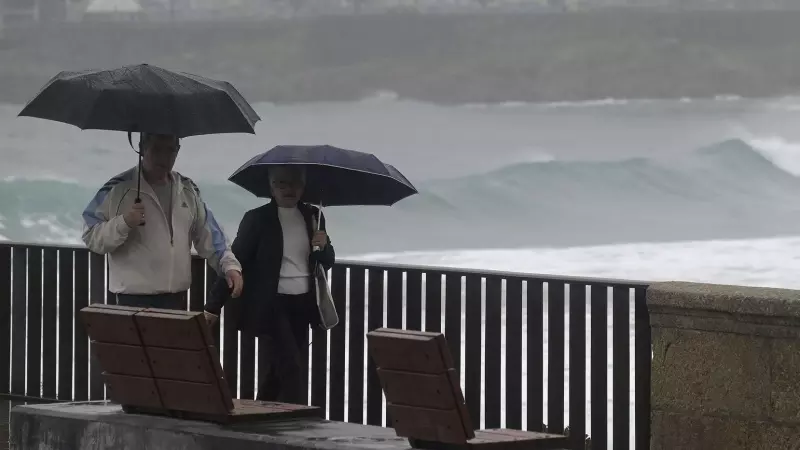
[[144, 138]]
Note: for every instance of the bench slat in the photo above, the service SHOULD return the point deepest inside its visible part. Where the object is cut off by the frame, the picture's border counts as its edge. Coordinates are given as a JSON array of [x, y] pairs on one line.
[[186, 365], [121, 359], [135, 391], [517, 439], [416, 389], [192, 397], [428, 424], [409, 352], [501, 439], [180, 331], [115, 326]]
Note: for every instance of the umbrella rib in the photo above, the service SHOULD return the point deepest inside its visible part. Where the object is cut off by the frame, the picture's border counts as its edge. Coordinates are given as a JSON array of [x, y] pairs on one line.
[[326, 165]]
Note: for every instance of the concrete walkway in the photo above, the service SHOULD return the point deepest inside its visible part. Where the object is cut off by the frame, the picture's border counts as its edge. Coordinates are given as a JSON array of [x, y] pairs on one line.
[[103, 426]]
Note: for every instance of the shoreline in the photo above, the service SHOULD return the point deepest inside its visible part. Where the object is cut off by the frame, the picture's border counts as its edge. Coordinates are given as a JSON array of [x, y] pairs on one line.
[[444, 60]]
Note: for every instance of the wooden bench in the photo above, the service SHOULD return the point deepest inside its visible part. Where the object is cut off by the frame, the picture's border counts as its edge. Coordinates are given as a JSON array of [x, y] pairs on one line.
[[164, 362], [424, 399]]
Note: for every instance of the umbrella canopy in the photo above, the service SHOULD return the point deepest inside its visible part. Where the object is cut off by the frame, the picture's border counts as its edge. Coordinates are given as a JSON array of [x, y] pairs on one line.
[[334, 176], [143, 98]]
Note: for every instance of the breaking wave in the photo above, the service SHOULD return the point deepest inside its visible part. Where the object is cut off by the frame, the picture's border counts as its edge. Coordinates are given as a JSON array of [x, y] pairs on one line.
[[728, 190]]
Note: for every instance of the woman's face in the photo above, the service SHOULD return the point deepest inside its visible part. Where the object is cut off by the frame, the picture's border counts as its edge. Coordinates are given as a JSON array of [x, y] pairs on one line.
[[287, 186]]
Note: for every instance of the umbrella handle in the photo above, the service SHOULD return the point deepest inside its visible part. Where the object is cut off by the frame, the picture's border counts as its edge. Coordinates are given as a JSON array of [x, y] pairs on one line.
[[319, 224], [139, 183], [139, 200]]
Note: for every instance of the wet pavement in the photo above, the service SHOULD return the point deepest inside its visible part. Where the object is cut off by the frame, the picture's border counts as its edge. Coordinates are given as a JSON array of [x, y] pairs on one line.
[[92, 422]]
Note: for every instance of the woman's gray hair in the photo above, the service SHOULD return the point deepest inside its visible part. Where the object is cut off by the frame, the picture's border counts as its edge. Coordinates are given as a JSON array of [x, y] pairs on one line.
[[293, 171]]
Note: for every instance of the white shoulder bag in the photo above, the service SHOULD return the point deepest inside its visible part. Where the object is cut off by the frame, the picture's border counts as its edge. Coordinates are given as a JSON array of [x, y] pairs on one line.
[[328, 317]]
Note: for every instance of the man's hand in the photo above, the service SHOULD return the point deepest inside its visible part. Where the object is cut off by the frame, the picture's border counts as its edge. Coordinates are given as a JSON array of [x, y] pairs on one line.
[[211, 319], [235, 282], [135, 216], [320, 239]]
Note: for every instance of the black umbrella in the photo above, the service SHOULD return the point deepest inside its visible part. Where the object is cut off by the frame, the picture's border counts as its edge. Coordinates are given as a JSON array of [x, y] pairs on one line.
[[144, 99], [334, 176]]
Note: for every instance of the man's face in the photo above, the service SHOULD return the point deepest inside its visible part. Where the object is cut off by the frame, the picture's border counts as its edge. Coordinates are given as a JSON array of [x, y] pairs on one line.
[[287, 186], [159, 154]]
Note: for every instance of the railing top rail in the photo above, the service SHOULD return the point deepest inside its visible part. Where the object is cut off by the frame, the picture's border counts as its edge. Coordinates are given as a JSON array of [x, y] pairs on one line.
[[420, 268], [497, 273], [41, 245]]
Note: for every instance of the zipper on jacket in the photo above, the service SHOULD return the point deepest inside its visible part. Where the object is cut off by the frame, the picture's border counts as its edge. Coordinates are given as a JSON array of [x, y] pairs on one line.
[[175, 191], [171, 233], [175, 194], [171, 268], [164, 215]]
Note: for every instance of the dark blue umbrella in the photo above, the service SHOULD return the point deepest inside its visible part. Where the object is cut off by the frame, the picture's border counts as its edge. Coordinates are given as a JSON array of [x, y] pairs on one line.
[[334, 176]]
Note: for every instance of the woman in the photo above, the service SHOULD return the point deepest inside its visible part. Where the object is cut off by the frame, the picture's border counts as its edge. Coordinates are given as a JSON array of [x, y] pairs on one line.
[[278, 301]]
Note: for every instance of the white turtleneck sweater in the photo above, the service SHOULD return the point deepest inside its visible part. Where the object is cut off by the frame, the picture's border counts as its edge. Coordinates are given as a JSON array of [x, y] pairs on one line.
[[294, 276]]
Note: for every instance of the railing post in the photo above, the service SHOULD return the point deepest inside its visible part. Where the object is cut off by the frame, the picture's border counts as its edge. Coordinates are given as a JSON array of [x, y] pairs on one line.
[[5, 315], [643, 351]]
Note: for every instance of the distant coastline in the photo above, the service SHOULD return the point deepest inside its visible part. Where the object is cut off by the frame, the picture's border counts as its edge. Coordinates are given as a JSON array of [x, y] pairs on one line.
[[487, 58]]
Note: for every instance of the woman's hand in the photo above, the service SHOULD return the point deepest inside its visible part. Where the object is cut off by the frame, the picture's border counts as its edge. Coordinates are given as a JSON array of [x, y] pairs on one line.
[[210, 318], [235, 283], [320, 239]]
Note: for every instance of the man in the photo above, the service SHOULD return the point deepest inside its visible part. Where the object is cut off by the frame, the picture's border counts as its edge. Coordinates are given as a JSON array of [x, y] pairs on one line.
[[149, 243], [279, 246]]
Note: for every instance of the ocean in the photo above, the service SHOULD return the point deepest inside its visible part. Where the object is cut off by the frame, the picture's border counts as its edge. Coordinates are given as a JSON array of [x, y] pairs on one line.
[[684, 189], [566, 177]]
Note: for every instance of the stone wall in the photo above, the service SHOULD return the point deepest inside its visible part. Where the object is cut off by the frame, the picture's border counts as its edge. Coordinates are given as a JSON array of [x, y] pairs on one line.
[[726, 367]]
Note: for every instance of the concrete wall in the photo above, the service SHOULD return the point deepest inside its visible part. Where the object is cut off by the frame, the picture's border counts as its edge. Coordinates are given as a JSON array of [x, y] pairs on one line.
[[726, 367]]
